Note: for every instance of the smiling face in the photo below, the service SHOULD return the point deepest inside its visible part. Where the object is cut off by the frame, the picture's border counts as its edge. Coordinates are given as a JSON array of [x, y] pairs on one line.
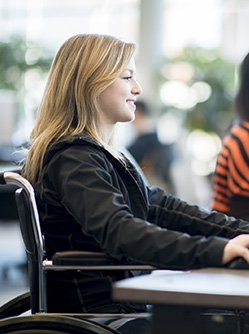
[[117, 100]]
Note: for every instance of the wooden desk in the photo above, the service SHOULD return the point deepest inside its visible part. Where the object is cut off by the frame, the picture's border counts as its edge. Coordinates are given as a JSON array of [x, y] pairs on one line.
[[178, 298]]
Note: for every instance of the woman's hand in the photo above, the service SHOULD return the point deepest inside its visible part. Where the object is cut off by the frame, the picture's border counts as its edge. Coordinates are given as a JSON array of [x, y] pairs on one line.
[[236, 247]]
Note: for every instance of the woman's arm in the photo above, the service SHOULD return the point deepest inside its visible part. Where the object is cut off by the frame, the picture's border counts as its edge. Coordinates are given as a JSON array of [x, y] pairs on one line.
[[96, 196], [171, 212]]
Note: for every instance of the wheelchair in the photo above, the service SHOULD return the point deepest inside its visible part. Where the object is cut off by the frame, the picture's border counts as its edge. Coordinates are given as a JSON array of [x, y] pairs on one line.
[[12, 320]]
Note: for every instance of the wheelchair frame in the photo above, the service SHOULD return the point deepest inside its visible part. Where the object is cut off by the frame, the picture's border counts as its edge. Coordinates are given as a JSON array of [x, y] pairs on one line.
[[68, 260]]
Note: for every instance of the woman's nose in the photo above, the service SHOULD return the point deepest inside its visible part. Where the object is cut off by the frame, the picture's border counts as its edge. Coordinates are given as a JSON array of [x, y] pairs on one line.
[[137, 89]]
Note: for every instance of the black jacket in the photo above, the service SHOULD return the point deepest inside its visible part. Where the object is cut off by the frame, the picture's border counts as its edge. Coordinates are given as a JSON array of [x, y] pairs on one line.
[[89, 200]]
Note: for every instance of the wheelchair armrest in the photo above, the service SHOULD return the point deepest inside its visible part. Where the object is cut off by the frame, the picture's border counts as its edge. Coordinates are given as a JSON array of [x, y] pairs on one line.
[[82, 258], [93, 259]]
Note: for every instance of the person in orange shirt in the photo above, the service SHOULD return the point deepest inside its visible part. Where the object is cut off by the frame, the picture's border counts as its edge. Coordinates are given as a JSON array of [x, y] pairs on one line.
[[231, 177]]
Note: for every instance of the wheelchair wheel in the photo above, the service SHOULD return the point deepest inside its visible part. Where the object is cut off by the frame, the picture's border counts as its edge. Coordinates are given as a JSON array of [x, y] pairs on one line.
[[15, 306], [51, 324]]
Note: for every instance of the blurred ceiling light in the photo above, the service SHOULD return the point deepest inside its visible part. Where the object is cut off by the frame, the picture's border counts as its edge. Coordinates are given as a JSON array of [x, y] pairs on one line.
[[202, 91], [32, 78], [204, 148], [202, 168], [169, 127], [178, 95], [203, 145], [32, 55], [181, 71]]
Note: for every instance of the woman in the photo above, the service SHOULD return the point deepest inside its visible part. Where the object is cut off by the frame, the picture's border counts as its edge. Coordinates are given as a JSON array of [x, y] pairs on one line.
[[231, 183], [90, 197]]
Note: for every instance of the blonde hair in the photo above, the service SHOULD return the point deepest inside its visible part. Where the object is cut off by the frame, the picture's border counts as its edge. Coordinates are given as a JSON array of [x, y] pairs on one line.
[[84, 66]]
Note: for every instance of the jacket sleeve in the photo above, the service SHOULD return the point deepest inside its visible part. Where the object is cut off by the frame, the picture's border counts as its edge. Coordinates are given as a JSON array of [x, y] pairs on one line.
[[170, 212], [90, 190]]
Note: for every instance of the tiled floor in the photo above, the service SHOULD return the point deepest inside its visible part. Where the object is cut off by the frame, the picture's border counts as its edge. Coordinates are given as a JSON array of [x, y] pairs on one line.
[[13, 276]]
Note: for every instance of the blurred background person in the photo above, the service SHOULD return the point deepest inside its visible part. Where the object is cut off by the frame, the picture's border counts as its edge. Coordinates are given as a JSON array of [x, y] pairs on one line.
[[231, 177], [154, 158]]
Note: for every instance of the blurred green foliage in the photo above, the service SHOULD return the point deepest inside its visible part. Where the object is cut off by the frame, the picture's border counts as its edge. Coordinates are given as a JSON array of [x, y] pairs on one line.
[[216, 113], [17, 57]]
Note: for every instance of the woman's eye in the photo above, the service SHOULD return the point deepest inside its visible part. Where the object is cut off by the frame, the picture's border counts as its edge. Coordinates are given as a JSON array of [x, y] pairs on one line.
[[128, 78]]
